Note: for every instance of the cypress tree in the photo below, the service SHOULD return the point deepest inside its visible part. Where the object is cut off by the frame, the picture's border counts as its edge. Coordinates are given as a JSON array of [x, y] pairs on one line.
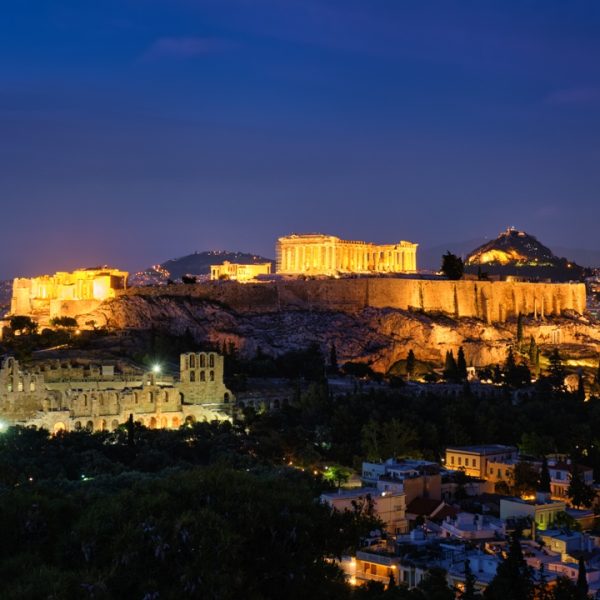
[[450, 367], [582, 584], [470, 579], [333, 362], [542, 590], [532, 351], [461, 364], [130, 439], [581, 388], [410, 363], [513, 578], [544, 482]]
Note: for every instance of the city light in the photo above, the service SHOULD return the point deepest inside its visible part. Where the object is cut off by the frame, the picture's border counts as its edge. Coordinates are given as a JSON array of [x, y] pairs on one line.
[[156, 368]]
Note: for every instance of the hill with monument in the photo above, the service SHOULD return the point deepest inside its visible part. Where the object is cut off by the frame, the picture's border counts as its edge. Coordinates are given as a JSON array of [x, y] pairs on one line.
[[519, 254]]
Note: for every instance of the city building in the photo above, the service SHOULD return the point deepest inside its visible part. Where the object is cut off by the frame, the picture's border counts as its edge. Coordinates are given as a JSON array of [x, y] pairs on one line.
[[389, 506], [561, 469], [414, 478], [541, 510], [317, 254], [476, 461], [238, 272], [468, 526]]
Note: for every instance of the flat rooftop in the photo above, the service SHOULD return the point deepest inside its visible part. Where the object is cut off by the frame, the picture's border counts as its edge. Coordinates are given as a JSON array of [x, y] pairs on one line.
[[482, 449]]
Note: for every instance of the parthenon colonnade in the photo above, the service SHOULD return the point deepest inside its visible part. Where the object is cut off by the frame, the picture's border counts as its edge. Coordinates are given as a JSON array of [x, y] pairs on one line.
[[318, 254]]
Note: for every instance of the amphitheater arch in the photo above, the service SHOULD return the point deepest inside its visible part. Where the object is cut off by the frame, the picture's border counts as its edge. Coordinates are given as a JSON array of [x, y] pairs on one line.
[[152, 423], [175, 422], [163, 422], [89, 426], [59, 426]]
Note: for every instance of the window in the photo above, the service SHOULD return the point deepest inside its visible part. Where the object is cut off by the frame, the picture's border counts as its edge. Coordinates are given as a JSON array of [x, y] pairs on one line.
[[192, 376], [202, 360], [452, 459], [212, 375], [202, 376], [211, 360], [460, 460], [192, 361]]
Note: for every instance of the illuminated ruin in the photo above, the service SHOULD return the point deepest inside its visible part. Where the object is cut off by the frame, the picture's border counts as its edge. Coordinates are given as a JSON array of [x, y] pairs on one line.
[[316, 254]]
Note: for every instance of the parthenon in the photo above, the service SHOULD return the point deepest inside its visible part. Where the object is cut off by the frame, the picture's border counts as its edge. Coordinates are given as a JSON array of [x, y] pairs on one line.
[[317, 254]]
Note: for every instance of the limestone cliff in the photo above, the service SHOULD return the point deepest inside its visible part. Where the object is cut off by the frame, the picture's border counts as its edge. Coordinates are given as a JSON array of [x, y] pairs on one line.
[[380, 336]]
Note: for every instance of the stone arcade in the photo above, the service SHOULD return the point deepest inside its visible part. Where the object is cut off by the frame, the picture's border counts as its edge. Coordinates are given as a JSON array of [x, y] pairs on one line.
[[103, 402]]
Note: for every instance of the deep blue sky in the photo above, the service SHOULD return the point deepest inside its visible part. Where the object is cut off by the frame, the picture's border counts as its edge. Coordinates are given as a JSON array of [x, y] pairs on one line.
[[136, 131]]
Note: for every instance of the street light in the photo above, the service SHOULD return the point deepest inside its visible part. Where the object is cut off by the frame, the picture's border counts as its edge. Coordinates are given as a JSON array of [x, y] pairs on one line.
[[156, 368]]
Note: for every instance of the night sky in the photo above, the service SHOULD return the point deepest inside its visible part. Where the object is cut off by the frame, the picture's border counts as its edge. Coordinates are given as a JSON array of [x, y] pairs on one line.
[[136, 131]]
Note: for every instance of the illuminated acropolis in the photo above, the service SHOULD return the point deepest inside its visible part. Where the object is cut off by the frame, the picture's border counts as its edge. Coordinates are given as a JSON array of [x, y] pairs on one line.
[[65, 294], [317, 254], [237, 272]]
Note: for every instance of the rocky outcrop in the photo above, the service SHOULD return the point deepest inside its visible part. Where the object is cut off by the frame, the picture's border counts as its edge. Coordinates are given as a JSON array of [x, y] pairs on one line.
[[486, 300], [379, 336]]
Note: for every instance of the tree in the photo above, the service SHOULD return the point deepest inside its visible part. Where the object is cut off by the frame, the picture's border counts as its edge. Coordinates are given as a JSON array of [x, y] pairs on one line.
[[544, 483], [532, 351], [435, 586], [513, 578], [563, 520], [556, 371], [519, 330], [469, 592], [337, 475], [582, 584], [22, 324], [333, 362], [64, 322], [580, 388], [515, 375], [452, 266], [565, 589], [579, 493], [450, 367], [461, 364], [542, 589], [525, 479], [410, 364]]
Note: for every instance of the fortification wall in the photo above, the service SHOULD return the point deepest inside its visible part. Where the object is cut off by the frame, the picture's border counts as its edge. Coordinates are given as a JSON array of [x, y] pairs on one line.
[[486, 300]]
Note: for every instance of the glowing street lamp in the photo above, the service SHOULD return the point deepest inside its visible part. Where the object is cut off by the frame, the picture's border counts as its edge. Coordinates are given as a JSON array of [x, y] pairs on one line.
[[156, 368]]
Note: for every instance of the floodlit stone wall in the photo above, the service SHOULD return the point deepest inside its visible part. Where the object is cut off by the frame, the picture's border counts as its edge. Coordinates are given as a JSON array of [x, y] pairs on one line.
[[485, 300]]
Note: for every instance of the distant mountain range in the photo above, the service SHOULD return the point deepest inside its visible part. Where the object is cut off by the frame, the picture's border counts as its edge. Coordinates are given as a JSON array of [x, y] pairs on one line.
[[197, 264]]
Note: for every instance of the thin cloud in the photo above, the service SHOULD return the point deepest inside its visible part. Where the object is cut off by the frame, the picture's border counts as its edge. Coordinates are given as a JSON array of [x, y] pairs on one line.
[[185, 47], [581, 95]]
